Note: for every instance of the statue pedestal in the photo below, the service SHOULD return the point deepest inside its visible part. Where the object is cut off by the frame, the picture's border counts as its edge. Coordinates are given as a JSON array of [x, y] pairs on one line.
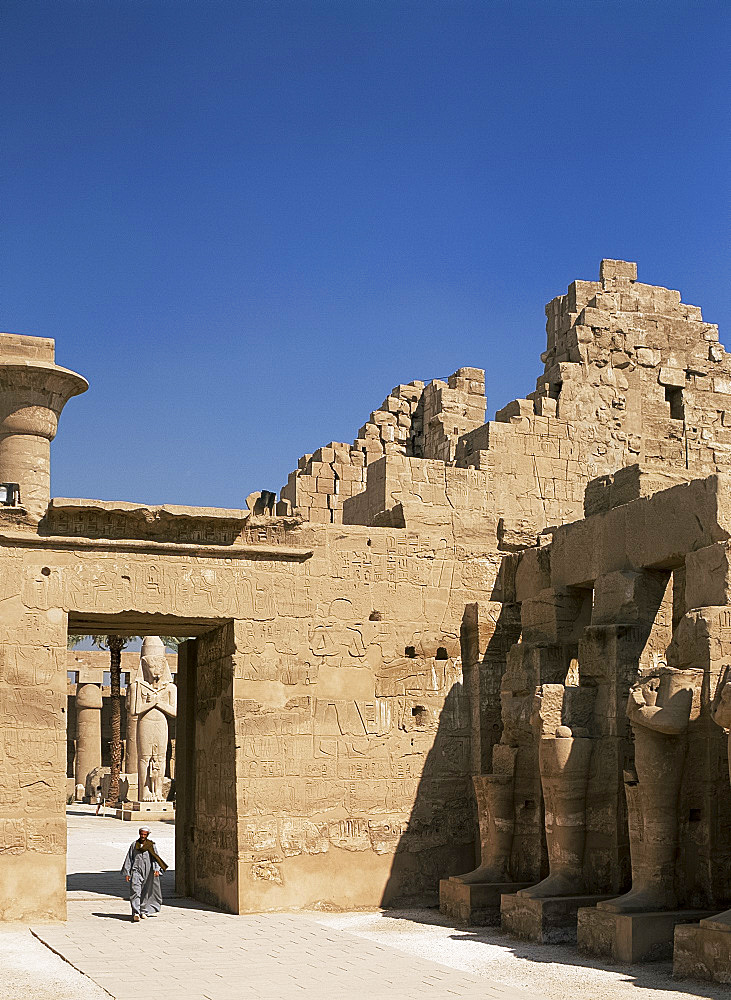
[[476, 904], [134, 811], [703, 951], [548, 920], [128, 788], [631, 937]]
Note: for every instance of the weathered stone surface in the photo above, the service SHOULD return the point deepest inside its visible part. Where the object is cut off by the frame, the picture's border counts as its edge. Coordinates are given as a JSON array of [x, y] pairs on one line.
[[328, 736], [702, 952], [475, 904], [544, 919], [631, 937]]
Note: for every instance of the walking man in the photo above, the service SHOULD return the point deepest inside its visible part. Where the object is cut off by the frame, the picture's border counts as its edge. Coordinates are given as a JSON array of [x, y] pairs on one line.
[[142, 868]]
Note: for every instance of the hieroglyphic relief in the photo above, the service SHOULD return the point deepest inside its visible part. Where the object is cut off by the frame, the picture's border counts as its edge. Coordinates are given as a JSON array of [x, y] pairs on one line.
[[320, 757], [215, 767], [41, 836], [393, 559], [152, 523]]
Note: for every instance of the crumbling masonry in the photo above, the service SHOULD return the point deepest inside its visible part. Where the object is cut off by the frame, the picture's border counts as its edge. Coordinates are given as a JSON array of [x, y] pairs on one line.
[[403, 621]]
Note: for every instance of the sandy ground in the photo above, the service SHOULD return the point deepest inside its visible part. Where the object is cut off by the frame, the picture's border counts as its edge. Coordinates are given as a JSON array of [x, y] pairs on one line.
[[30, 971], [548, 972]]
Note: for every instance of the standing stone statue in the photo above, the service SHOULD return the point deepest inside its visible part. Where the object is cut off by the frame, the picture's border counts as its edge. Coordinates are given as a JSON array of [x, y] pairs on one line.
[[495, 809], [154, 697], [659, 710], [564, 765]]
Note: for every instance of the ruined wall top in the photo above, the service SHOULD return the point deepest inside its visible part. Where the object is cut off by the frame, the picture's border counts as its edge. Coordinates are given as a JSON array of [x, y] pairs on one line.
[[597, 321]]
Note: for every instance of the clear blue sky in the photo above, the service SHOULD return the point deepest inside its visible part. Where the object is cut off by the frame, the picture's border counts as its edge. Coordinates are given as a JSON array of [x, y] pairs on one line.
[[245, 222]]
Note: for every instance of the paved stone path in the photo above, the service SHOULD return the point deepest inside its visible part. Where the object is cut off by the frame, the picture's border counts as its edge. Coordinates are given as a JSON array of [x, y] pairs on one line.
[[204, 955], [192, 952]]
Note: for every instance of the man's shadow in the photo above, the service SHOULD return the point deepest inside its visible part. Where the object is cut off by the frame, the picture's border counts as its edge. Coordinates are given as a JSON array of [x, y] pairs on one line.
[[113, 883]]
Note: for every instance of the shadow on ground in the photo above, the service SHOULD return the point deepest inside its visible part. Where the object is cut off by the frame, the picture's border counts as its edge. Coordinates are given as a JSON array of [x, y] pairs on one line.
[[112, 883], [648, 975]]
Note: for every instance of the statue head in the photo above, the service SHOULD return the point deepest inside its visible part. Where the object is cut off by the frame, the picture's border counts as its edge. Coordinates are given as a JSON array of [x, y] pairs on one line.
[[154, 667], [152, 645]]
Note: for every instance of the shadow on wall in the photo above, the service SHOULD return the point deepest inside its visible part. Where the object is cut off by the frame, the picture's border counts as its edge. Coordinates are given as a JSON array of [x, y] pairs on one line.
[[439, 837]]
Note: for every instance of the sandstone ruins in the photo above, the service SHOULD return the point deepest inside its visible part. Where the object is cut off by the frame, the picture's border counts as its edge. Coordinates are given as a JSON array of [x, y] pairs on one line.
[[523, 624]]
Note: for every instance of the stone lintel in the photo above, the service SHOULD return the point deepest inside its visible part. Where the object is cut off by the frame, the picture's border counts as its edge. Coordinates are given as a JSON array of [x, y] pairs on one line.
[[248, 551], [654, 532], [77, 504]]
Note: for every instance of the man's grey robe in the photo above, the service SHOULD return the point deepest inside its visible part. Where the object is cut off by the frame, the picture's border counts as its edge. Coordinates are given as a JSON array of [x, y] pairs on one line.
[[145, 894]]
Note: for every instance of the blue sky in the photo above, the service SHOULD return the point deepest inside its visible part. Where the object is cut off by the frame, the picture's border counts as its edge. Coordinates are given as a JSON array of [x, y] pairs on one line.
[[245, 222]]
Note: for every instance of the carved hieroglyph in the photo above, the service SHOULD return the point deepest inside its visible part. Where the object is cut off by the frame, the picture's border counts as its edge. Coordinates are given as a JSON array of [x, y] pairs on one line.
[[328, 741]]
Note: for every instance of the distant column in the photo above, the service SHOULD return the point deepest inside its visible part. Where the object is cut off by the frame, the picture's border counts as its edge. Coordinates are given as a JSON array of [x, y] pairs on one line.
[[88, 730]]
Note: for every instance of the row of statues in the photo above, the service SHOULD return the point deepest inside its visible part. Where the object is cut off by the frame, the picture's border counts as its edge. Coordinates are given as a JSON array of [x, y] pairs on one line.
[[659, 710]]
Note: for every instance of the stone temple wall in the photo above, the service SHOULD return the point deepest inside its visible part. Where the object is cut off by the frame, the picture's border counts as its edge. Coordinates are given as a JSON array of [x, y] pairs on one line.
[[414, 419], [330, 739], [330, 746]]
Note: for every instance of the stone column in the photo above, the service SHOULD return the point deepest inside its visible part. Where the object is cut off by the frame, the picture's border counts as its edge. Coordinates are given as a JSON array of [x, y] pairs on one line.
[[88, 730], [33, 391]]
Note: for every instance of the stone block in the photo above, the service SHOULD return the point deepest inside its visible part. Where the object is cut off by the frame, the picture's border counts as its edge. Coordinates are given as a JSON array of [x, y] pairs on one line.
[[515, 533], [708, 576], [672, 376], [613, 270], [631, 937], [476, 904], [150, 812], [596, 318], [628, 597], [703, 951], [551, 617], [550, 920], [658, 530], [533, 572]]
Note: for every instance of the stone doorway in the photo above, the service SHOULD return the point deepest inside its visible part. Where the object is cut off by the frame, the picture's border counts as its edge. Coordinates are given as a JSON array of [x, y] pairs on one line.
[[205, 789]]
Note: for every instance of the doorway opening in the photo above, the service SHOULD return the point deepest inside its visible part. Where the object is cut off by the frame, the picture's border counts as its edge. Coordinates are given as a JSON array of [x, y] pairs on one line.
[[158, 784]]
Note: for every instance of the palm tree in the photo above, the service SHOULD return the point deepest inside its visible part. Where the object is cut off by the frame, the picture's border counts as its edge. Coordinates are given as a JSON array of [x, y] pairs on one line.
[[115, 644]]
